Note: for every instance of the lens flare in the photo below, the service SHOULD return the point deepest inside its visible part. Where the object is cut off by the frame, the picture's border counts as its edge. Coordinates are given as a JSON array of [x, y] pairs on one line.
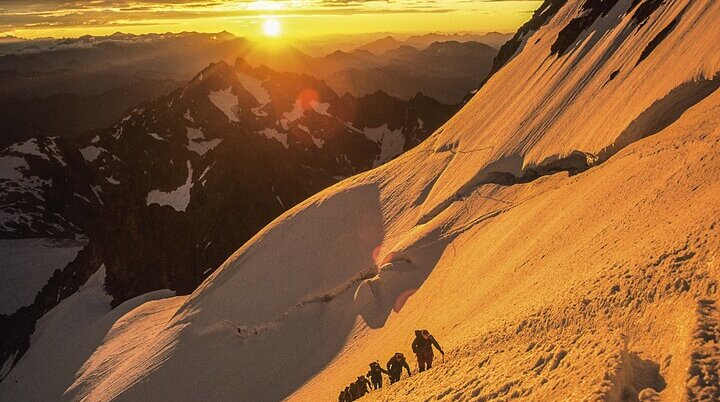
[[307, 98]]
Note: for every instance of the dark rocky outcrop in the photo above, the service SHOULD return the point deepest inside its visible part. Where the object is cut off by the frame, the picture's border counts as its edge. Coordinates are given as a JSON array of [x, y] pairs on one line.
[[657, 40], [644, 9], [591, 11], [541, 17]]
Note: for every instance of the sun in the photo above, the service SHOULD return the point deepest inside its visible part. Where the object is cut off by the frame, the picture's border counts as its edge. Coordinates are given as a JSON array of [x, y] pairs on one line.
[[272, 28]]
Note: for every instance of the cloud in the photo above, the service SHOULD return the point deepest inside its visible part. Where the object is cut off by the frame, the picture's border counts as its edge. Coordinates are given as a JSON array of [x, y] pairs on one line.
[[23, 14]]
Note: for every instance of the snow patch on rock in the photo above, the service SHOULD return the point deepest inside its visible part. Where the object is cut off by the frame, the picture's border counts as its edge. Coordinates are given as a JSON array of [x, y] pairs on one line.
[[29, 147], [11, 168], [255, 88], [319, 142], [157, 137], [227, 102], [91, 153], [178, 199], [298, 111], [197, 144], [187, 116], [392, 142], [273, 134]]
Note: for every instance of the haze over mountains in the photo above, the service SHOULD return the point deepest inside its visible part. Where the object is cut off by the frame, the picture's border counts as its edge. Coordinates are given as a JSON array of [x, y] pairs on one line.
[[390, 42], [449, 70], [558, 235], [64, 87]]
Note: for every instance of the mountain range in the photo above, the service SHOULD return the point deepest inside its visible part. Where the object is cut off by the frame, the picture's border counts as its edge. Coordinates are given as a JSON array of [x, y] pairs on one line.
[[449, 70], [390, 42], [64, 87]]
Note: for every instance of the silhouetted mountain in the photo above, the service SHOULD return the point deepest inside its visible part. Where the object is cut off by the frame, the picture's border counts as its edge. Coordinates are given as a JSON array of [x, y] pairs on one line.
[[449, 70], [494, 39], [382, 45]]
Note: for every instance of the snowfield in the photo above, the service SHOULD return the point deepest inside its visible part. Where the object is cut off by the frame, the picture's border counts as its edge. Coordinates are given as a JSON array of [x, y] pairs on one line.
[[27, 264], [559, 237], [18, 185]]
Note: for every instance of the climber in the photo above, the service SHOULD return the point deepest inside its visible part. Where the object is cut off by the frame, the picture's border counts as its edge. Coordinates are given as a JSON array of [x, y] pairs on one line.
[[348, 395], [342, 397], [423, 348], [375, 375], [395, 366], [354, 393], [362, 385]]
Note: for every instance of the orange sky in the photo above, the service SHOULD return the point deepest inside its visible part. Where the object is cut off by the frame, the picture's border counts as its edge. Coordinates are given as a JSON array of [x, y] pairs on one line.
[[298, 18]]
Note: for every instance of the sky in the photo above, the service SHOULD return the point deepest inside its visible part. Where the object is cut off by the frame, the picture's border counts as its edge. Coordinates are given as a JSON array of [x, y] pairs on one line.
[[296, 18]]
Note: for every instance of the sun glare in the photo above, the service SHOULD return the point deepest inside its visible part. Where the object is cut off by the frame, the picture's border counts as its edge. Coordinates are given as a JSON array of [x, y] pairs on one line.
[[272, 28]]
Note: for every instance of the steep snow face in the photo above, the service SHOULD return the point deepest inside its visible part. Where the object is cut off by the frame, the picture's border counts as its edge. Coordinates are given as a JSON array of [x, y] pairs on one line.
[[564, 105], [70, 319]]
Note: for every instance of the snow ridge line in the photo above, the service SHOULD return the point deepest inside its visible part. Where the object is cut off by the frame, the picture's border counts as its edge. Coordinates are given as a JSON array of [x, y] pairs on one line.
[[245, 331]]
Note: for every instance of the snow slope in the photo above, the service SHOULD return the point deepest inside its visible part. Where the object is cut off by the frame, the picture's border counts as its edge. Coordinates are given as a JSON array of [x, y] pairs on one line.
[[27, 264], [559, 237], [84, 319]]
